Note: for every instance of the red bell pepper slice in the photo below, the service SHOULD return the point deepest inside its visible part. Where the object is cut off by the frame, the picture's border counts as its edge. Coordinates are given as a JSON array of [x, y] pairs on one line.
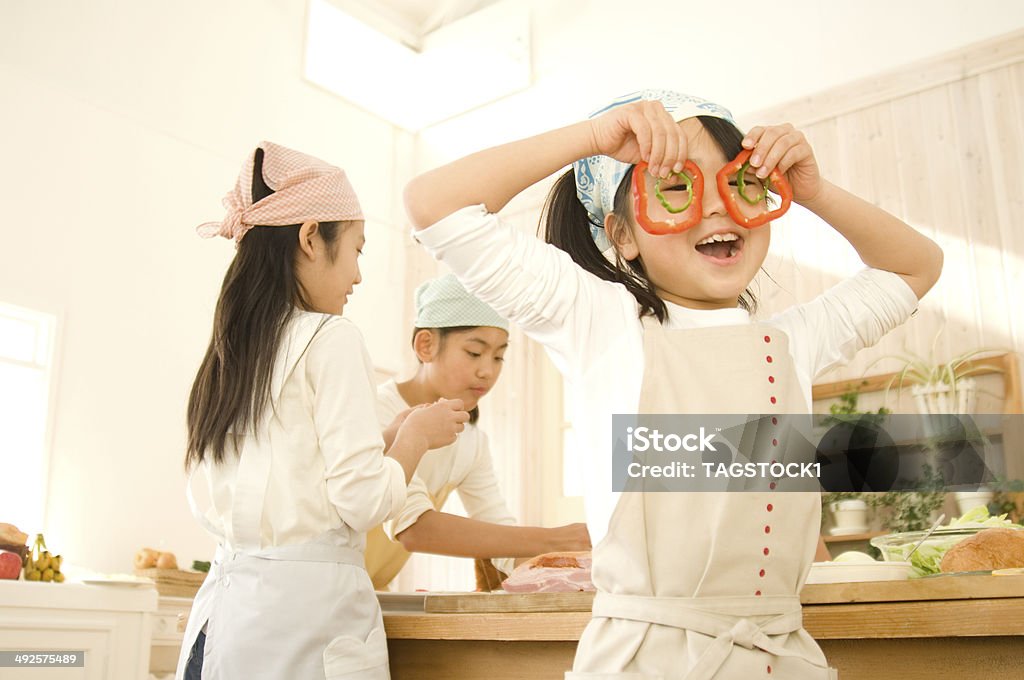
[[693, 176], [776, 182]]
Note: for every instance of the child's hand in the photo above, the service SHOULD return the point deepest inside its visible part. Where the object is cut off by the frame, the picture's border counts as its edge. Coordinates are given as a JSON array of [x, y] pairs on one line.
[[785, 148], [392, 429], [641, 131], [438, 424], [573, 537]]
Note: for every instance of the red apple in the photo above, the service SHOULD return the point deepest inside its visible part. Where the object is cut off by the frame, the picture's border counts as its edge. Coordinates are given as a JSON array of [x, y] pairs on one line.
[[10, 565]]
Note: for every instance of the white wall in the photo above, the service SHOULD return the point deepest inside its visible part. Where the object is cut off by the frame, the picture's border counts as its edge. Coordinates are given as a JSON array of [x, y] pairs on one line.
[[744, 54], [123, 125], [124, 122]]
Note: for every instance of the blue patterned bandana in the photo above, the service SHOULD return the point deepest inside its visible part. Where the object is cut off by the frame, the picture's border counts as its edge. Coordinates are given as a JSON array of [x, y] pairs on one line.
[[597, 177]]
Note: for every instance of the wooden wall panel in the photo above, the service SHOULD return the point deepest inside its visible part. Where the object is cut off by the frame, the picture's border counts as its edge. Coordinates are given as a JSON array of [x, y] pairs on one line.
[[941, 145]]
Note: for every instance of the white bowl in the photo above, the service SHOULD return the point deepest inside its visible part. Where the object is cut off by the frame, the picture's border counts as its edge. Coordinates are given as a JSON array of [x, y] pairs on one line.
[[846, 531], [855, 572]]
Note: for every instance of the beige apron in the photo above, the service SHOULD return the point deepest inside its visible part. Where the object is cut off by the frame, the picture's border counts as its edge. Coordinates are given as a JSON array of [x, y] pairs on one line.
[[695, 586], [385, 557]]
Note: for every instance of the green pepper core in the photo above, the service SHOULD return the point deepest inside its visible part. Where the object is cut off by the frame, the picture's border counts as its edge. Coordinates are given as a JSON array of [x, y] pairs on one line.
[[741, 186], [688, 181]]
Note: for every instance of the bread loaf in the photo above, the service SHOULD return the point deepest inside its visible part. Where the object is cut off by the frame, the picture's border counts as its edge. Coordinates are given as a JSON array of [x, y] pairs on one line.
[[987, 550], [10, 534]]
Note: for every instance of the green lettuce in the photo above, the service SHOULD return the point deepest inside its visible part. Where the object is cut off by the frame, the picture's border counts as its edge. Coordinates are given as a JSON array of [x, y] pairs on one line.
[[928, 558]]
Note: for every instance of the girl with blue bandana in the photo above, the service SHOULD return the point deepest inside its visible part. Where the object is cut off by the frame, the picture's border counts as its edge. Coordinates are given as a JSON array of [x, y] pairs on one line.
[[460, 344], [690, 585]]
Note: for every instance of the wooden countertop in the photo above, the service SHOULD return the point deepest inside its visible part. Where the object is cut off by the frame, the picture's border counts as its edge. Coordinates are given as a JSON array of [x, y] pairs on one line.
[[945, 606]]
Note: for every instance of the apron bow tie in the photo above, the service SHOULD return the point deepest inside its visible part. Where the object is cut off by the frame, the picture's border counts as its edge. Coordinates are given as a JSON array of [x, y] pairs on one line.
[[745, 633]]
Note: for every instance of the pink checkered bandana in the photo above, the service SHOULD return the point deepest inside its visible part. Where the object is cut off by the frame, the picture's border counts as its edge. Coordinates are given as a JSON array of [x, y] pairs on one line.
[[305, 188]]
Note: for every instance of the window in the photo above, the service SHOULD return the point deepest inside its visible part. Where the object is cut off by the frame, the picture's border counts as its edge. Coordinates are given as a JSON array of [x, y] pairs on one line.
[[26, 357]]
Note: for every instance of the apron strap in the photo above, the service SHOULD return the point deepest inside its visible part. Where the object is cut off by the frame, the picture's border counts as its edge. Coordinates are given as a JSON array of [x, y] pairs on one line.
[[251, 479], [196, 512], [708, 616], [302, 552]]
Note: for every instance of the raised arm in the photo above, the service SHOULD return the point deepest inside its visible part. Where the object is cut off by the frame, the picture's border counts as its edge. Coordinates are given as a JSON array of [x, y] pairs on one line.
[[882, 240], [642, 130]]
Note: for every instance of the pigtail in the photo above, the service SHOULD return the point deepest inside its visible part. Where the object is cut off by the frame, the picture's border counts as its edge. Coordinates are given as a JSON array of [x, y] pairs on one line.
[[567, 226]]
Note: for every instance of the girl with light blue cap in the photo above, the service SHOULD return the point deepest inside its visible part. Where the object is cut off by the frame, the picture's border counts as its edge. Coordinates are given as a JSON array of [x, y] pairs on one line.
[[641, 296], [460, 343]]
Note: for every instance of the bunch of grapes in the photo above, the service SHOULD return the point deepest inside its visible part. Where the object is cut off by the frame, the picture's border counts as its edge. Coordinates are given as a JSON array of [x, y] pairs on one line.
[[40, 565]]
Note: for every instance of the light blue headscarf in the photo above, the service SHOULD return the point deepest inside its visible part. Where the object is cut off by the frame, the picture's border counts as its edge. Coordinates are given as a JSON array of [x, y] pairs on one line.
[[445, 303], [597, 177]]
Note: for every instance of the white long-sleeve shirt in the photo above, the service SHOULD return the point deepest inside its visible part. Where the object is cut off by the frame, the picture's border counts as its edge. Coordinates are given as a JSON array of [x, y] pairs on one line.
[[464, 466], [327, 468], [592, 331]]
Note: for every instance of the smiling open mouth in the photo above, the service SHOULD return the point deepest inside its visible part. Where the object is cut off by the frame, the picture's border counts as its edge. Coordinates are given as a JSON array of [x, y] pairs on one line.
[[722, 248]]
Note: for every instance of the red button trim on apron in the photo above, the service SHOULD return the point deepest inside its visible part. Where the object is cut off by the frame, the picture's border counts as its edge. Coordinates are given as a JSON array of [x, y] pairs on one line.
[[769, 670], [758, 593], [767, 529], [775, 442], [767, 338], [770, 507], [766, 551], [771, 378], [761, 573], [775, 421], [774, 400], [772, 486], [768, 358]]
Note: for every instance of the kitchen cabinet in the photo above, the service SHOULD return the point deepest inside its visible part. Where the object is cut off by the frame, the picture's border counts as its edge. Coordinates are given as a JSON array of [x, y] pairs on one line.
[[168, 634], [111, 624]]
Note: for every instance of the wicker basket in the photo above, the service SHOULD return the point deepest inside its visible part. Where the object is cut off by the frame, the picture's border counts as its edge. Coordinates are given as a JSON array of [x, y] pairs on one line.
[[174, 582]]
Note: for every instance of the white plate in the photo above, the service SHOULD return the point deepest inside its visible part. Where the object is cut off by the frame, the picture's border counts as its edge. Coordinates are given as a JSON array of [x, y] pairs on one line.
[[118, 580], [856, 572]]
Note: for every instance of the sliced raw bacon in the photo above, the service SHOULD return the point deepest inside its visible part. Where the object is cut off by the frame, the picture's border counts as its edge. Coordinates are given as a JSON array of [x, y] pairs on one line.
[[558, 572]]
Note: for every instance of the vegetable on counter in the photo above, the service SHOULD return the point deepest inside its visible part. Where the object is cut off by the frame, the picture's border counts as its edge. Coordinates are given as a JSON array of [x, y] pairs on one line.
[[199, 565], [147, 558]]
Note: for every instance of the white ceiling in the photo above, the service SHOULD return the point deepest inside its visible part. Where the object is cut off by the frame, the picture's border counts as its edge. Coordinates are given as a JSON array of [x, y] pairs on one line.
[[413, 17]]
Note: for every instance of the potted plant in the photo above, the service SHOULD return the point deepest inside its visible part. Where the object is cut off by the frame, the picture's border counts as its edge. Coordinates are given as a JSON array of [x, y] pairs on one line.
[[911, 510], [939, 387], [849, 509]]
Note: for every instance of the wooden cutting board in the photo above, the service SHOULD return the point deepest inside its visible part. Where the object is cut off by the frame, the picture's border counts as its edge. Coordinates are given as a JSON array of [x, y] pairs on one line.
[[967, 586], [497, 603], [945, 587]]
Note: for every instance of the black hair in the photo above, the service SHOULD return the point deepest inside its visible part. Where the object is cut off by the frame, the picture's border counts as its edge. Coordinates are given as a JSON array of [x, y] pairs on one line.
[[567, 225], [257, 298], [474, 415]]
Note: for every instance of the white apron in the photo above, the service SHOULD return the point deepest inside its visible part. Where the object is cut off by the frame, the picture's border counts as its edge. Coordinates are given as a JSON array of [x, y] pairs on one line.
[[294, 611], [705, 585]]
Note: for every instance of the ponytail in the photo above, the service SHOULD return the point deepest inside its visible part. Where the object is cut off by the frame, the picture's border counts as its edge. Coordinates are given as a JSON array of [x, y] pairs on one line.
[[567, 226]]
